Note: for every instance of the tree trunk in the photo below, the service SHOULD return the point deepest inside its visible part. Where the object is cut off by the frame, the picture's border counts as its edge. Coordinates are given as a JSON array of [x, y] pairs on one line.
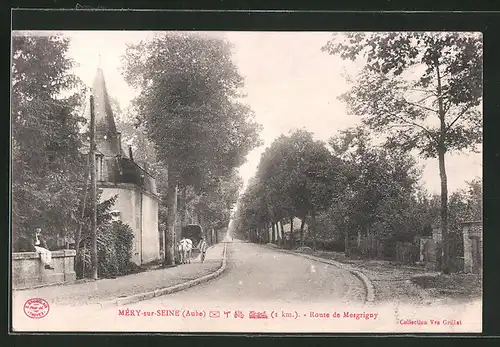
[[282, 235], [444, 215], [313, 224], [291, 232], [302, 224], [445, 261], [182, 207], [273, 228], [368, 242], [79, 233], [171, 200], [83, 261], [347, 251], [269, 233]]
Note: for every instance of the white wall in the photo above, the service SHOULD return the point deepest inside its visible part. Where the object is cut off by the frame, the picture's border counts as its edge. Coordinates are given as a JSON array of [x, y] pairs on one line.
[[128, 203], [150, 237]]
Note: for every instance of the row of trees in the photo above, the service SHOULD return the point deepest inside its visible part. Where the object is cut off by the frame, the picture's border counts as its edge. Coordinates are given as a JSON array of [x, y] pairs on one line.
[[188, 107], [209, 207], [422, 92], [347, 188], [352, 183], [186, 125]]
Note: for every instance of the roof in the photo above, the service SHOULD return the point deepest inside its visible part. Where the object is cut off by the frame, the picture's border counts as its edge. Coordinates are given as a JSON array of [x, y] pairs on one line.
[[106, 135], [108, 141]]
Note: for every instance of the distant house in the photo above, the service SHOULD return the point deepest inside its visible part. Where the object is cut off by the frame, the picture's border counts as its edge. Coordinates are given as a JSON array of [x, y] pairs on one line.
[[118, 174]]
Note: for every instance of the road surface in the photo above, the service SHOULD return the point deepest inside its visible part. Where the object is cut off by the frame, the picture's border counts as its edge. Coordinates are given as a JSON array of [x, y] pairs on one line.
[[256, 278], [256, 273]]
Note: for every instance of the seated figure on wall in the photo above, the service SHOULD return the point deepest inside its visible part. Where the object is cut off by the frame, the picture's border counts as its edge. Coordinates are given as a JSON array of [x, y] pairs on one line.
[[42, 249]]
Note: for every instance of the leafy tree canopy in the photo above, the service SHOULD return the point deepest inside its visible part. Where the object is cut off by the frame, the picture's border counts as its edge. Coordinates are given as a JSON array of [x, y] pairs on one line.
[[189, 104], [410, 79], [47, 167]]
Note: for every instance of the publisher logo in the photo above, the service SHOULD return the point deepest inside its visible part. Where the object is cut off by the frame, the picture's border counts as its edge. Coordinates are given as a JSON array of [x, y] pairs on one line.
[[36, 308]]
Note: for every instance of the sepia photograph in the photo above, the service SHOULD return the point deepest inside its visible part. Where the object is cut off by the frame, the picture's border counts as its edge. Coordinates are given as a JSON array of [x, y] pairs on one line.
[[246, 181]]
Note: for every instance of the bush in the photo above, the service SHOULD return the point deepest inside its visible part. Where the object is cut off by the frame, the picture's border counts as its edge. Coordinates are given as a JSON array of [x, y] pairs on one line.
[[114, 250], [326, 245]]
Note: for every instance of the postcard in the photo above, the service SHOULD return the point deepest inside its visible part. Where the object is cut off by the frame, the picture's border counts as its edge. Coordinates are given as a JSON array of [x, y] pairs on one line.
[[247, 182]]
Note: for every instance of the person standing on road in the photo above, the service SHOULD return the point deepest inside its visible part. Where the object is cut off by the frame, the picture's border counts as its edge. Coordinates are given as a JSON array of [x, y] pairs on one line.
[[202, 246]]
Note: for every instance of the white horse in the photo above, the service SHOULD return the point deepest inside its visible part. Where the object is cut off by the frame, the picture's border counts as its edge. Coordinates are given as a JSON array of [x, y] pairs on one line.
[[185, 248]]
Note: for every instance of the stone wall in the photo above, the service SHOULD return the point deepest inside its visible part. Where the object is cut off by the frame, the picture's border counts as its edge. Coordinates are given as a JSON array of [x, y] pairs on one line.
[[430, 251], [473, 232], [28, 270]]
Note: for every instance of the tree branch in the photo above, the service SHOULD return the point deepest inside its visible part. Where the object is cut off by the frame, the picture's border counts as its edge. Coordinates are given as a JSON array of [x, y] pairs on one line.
[[421, 106], [422, 90], [412, 124], [447, 106], [426, 97], [458, 117]]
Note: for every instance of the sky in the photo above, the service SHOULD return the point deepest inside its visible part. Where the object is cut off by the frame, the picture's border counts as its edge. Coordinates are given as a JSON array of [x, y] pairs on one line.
[[289, 83]]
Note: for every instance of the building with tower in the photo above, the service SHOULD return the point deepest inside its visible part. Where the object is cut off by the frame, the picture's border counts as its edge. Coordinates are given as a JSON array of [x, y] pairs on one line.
[[118, 174]]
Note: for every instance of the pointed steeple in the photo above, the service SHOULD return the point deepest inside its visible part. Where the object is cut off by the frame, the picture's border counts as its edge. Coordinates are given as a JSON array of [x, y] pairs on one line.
[[107, 138]]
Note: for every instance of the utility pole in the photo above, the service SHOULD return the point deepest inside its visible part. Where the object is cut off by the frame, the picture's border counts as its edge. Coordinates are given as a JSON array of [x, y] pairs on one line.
[[93, 191]]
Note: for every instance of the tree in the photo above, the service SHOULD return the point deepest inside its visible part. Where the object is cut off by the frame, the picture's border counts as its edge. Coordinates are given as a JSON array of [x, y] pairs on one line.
[[252, 214], [47, 168], [466, 204], [273, 175], [216, 206], [296, 176], [114, 243], [422, 89], [315, 178], [378, 191], [188, 103]]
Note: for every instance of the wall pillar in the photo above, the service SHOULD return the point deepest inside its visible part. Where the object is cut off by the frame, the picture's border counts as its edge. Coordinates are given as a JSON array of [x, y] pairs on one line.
[[472, 233]]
